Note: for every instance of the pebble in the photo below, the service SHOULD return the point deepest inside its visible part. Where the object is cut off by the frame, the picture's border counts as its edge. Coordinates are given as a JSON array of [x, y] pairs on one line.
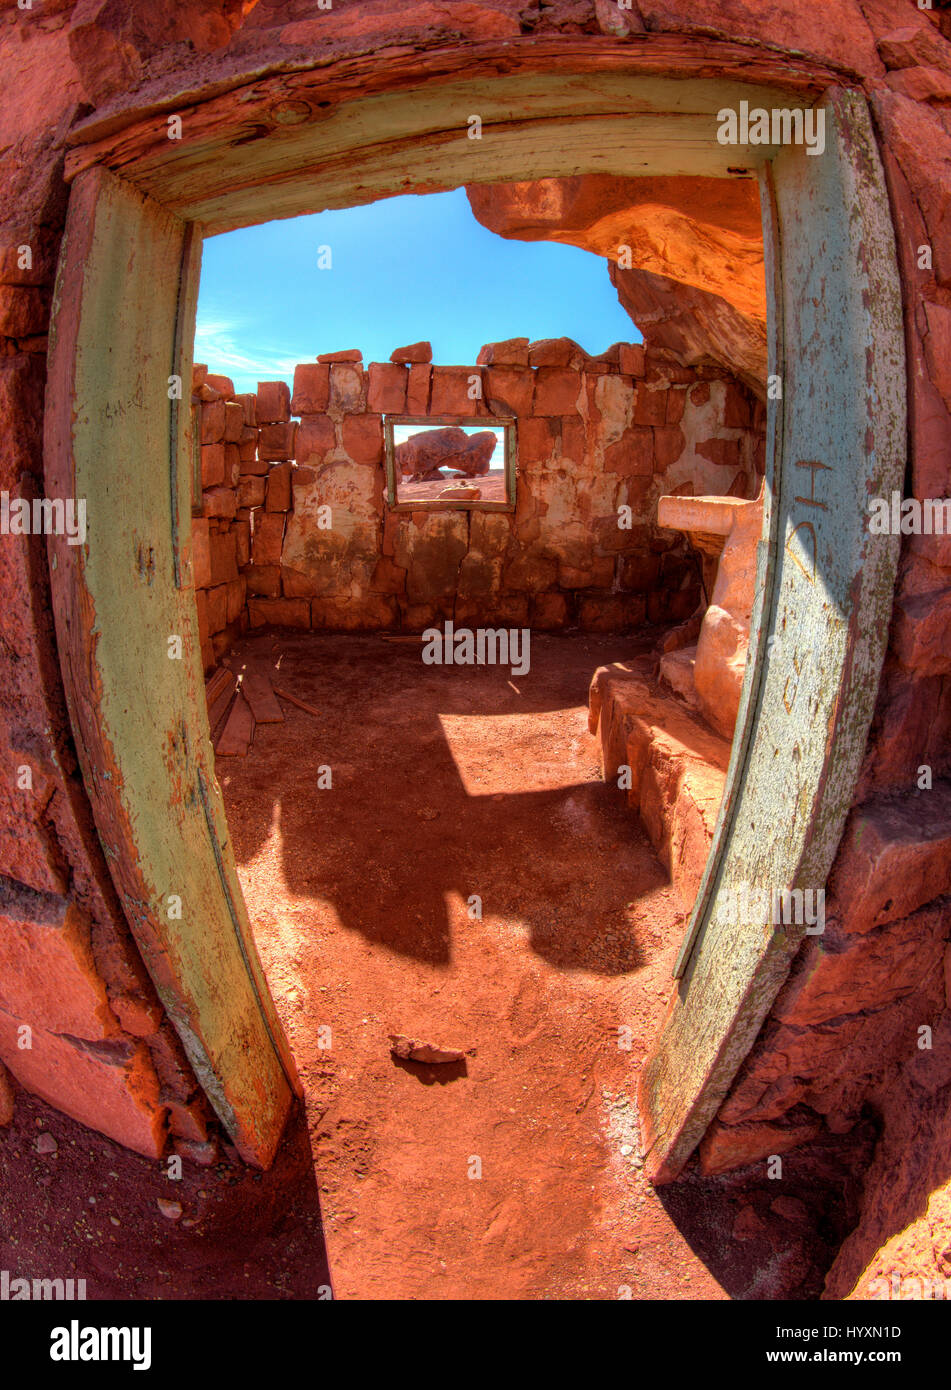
[[46, 1144], [170, 1210]]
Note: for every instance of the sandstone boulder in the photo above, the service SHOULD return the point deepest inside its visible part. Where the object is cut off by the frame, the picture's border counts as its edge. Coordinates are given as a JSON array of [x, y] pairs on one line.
[[422, 455]]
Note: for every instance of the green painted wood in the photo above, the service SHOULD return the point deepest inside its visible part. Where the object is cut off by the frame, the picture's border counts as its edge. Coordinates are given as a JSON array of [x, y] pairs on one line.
[[122, 324], [826, 599], [240, 162]]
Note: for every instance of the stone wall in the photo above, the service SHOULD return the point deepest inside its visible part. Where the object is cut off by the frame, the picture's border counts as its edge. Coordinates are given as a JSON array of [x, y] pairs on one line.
[[594, 435], [65, 60]]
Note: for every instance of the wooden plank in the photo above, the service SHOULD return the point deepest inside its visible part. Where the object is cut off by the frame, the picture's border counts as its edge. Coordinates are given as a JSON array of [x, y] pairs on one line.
[[215, 683], [805, 712], [301, 704], [222, 701], [259, 693], [238, 731], [139, 718], [240, 161]]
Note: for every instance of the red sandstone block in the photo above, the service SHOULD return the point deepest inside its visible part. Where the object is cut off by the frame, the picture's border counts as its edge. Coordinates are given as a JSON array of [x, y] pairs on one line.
[[669, 444], [274, 402], [417, 389], [735, 1146], [640, 572], [199, 374], [315, 439], [549, 611], [536, 440], [371, 613], [388, 577], [47, 973], [232, 465], [611, 612], [346, 355], [264, 581], [248, 402], [938, 347], [201, 553], [676, 402], [650, 407], [24, 311], [598, 573], [631, 359], [737, 412], [348, 388], [699, 394], [509, 390], [895, 857], [213, 422], [113, 1089], [282, 612], [513, 352], [217, 598], [556, 352], [632, 455], [187, 1120], [224, 561], [363, 438], [311, 389], [219, 501], [920, 632], [235, 595], [267, 538], [234, 421], [556, 391], [224, 384], [413, 353], [386, 391], [723, 452], [451, 391], [252, 491], [137, 1015], [574, 440], [279, 488], [276, 442]]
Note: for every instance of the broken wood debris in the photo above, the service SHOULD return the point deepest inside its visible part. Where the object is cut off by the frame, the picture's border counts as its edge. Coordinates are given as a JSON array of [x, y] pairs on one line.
[[301, 704]]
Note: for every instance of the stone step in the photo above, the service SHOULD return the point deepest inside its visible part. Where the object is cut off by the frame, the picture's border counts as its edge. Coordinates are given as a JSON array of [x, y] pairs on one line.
[[677, 766]]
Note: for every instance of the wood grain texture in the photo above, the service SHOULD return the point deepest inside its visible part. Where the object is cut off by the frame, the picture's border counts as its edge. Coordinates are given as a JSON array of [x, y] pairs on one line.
[[826, 597], [139, 717]]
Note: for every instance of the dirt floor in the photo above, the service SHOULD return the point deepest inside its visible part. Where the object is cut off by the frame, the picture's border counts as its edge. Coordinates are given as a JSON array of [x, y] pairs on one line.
[[514, 1174], [511, 1175]]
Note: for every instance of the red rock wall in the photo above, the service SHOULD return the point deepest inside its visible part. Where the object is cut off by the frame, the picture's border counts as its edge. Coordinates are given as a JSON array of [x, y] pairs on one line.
[[591, 438], [853, 1042]]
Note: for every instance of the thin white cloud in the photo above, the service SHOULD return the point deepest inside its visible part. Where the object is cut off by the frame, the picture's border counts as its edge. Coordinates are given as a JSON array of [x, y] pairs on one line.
[[220, 345]]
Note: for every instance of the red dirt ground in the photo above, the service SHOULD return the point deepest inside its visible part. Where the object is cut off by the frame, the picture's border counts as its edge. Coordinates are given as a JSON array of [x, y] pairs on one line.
[[447, 782]]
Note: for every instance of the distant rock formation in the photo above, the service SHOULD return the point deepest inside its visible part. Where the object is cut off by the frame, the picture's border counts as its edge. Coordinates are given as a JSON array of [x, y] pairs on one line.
[[421, 456]]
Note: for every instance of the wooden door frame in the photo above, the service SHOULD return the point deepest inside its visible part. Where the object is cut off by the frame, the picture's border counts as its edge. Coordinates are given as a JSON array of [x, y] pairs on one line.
[[141, 202]]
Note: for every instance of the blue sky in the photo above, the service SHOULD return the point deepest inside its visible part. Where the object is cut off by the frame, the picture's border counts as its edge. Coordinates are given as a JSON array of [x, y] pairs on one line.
[[403, 269]]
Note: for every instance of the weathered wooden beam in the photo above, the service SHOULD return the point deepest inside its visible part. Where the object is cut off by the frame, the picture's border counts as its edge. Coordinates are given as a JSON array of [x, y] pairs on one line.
[[824, 593], [137, 699], [255, 155]]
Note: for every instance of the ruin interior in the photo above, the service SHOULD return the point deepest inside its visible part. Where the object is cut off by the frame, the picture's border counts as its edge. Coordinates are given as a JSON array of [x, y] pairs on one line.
[[420, 1009]]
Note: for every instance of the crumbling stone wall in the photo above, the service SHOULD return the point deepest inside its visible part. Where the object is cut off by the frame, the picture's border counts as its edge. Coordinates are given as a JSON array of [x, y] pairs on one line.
[[65, 59], [594, 435]]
